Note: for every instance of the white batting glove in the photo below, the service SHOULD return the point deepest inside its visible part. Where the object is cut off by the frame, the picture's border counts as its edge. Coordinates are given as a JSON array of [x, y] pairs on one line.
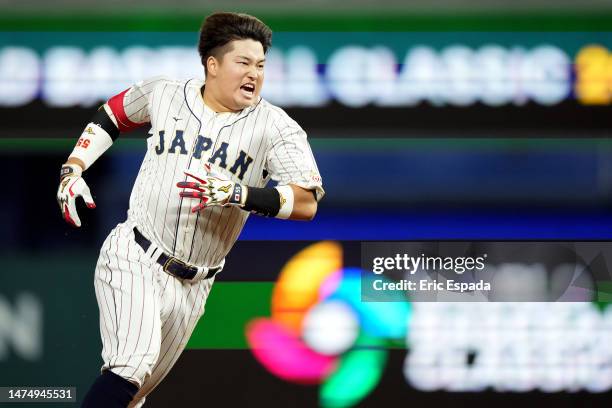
[[212, 189], [72, 186]]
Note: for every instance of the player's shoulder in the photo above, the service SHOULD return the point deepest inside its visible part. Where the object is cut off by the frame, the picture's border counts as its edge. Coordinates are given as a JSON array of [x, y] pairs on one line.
[[161, 81], [277, 116]]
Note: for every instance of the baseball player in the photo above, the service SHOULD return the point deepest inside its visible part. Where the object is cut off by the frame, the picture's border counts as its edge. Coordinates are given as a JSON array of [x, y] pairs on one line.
[[213, 148]]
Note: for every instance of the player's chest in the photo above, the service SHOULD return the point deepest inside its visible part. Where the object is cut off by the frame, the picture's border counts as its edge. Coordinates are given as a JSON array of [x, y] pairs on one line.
[[228, 141]]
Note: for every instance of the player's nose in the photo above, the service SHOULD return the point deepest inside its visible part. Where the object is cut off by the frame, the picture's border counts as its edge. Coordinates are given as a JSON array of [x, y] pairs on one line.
[[252, 74]]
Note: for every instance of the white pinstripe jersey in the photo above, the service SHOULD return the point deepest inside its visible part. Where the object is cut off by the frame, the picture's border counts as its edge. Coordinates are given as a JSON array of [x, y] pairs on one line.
[[252, 146]]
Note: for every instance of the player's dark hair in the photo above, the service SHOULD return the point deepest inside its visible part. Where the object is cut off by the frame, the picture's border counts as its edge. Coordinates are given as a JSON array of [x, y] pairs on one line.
[[219, 29]]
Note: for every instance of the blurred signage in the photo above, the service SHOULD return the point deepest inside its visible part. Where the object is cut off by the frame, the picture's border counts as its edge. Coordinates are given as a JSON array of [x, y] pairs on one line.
[[506, 346], [594, 75], [21, 332], [354, 75]]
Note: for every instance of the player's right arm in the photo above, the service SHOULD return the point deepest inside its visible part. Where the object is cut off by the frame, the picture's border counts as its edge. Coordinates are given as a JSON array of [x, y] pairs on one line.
[[123, 112]]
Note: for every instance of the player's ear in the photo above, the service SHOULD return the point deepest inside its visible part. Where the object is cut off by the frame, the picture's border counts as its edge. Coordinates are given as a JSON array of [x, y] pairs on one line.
[[212, 65]]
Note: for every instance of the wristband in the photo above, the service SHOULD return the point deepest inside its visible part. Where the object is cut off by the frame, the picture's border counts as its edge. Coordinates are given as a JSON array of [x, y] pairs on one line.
[[239, 195], [286, 200], [270, 202], [69, 169], [262, 201]]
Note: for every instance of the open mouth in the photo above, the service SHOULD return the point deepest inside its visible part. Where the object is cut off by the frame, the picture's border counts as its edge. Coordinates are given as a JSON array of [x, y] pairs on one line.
[[248, 89]]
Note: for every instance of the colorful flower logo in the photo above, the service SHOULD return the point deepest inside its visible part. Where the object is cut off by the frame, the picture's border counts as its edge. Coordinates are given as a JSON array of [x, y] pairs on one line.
[[321, 332]]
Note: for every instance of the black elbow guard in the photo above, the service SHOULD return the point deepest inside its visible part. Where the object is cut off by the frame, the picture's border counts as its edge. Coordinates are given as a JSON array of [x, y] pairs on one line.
[[102, 119]]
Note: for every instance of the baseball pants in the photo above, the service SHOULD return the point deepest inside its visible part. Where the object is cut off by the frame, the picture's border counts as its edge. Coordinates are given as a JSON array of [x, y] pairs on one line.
[[146, 314]]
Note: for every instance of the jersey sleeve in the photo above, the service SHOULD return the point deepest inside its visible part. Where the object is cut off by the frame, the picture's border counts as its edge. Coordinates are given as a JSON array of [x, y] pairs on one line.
[[290, 159], [130, 108]]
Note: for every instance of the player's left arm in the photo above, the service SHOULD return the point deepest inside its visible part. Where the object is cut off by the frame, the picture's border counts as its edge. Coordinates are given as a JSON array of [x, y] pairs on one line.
[[290, 163], [213, 188]]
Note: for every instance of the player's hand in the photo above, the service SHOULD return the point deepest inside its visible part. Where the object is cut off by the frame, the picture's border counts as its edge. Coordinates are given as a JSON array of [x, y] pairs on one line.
[[211, 189], [71, 187]]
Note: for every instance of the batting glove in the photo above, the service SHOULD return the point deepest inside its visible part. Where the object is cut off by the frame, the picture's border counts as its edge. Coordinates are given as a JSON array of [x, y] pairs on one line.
[[212, 189], [72, 186]]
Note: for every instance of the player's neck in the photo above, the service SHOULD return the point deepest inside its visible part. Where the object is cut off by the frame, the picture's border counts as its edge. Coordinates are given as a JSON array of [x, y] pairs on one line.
[[213, 103]]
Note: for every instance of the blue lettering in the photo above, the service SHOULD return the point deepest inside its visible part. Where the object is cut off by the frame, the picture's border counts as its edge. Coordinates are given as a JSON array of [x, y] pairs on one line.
[[221, 153], [160, 149], [243, 162], [202, 145], [178, 142]]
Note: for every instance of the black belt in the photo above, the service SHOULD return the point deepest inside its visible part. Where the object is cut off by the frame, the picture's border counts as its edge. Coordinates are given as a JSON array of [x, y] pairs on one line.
[[171, 264]]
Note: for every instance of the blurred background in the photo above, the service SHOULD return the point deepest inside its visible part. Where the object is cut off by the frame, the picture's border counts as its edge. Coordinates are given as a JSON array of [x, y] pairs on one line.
[[435, 120]]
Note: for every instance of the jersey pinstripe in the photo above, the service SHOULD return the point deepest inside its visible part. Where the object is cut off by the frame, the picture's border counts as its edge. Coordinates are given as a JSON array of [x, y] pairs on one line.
[[252, 147]]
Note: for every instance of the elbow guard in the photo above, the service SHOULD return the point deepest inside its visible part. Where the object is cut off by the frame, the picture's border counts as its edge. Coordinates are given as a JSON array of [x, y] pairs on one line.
[[97, 137]]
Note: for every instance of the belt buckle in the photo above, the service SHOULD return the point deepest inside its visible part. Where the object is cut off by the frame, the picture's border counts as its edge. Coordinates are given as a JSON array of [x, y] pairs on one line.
[[173, 260]]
